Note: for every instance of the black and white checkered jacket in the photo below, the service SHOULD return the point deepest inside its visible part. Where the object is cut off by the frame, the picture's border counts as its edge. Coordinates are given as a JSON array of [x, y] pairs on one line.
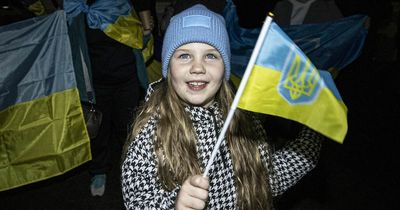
[[142, 188]]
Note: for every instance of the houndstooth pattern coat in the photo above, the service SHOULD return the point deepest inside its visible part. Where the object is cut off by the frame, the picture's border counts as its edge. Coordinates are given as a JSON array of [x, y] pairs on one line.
[[142, 188]]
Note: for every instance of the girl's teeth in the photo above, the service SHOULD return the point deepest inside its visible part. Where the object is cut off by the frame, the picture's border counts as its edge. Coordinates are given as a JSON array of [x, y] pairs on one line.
[[196, 83]]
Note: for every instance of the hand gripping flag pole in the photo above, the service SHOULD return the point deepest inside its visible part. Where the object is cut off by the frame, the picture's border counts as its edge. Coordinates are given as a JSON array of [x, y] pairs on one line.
[[259, 43]]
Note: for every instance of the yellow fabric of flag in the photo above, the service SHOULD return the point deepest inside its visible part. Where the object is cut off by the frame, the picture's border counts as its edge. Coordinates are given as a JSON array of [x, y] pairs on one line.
[[127, 30], [37, 8], [42, 138]]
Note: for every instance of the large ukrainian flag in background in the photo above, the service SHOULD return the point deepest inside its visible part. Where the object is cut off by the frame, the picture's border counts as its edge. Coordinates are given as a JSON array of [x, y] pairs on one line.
[[285, 83], [42, 129], [331, 45]]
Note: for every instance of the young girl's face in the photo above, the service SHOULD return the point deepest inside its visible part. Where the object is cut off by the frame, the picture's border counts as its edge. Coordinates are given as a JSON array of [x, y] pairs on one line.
[[196, 71]]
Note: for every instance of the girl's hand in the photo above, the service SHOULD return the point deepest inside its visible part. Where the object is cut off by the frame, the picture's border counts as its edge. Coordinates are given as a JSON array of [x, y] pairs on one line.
[[193, 193]]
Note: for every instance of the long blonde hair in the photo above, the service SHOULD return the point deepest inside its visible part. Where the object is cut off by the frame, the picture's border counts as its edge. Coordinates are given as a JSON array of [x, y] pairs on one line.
[[175, 145]]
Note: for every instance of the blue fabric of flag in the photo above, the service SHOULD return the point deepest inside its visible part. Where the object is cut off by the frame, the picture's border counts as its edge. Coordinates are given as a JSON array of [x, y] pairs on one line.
[[100, 13], [242, 40], [332, 44], [31, 74]]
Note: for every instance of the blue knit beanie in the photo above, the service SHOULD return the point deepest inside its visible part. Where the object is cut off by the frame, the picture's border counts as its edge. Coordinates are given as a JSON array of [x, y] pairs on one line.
[[196, 24]]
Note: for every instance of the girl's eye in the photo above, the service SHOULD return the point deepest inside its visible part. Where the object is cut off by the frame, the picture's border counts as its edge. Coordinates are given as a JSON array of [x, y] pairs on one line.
[[184, 56], [211, 56]]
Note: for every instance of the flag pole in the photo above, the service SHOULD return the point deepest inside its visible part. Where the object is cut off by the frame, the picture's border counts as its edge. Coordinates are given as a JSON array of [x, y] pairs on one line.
[[240, 90]]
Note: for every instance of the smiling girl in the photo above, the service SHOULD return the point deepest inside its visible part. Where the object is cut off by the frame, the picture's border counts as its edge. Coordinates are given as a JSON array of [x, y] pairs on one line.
[[177, 128]]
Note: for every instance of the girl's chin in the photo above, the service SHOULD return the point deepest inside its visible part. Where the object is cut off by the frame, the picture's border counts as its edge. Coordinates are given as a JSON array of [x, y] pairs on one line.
[[202, 103]]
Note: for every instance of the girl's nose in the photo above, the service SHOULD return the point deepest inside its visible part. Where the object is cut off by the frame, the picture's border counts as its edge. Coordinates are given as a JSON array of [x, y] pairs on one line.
[[197, 67]]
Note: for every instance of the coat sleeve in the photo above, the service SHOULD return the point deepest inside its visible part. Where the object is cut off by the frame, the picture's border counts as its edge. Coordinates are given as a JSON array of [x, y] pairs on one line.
[[293, 161], [141, 188]]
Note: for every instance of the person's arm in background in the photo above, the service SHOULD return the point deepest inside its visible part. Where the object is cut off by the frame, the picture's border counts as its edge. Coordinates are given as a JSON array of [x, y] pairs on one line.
[[145, 10]]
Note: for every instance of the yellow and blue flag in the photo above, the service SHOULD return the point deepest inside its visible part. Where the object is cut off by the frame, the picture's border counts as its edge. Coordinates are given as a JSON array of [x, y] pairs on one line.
[[285, 83], [42, 128], [116, 18]]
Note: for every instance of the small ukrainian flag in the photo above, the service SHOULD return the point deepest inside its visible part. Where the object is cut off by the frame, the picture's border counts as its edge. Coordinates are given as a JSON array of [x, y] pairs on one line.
[[285, 83]]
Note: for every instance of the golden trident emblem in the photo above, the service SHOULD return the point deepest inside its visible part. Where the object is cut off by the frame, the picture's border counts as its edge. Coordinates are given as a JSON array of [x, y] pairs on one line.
[[301, 81]]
